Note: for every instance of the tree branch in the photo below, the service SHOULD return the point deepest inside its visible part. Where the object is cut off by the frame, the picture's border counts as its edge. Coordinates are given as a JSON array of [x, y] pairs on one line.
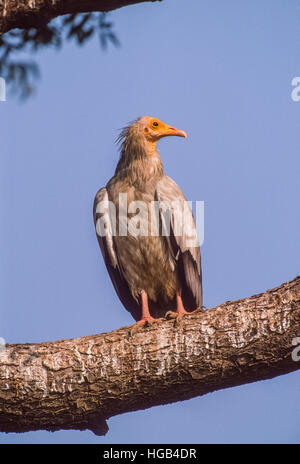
[[79, 383], [35, 13]]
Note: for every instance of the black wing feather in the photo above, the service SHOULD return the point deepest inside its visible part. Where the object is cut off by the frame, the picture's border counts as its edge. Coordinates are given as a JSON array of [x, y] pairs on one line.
[[106, 242]]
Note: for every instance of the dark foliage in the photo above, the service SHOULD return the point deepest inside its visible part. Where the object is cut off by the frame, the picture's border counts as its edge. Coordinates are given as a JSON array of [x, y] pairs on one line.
[[20, 74]]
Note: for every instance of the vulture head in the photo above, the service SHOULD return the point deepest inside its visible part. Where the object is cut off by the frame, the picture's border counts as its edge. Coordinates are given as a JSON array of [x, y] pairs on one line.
[[138, 139], [153, 129]]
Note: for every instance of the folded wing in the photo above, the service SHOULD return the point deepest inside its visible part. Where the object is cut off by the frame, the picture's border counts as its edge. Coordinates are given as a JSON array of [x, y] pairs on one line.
[[105, 224], [182, 240]]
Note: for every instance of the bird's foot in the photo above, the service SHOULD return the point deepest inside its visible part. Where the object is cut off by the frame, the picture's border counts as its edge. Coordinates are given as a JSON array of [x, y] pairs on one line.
[[144, 322], [176, 315]]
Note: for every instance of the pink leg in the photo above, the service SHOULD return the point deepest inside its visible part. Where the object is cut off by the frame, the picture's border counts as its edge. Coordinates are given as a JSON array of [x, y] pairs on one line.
[[146, 316], [180, 311], [180, 308]]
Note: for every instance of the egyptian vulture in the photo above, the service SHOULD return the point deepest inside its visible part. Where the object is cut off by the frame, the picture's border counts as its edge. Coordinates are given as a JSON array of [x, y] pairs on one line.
[[146, 230]]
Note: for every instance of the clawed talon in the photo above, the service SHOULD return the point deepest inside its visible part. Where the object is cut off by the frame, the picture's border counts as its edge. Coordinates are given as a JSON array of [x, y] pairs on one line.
[[177, 316], [171, 315], [178, 320], [144, 322]]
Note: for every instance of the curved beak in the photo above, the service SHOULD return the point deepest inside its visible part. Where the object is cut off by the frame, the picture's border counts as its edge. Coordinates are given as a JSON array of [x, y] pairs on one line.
[[173, 131]]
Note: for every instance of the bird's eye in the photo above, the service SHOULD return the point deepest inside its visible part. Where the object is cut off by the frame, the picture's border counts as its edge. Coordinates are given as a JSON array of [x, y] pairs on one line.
[[155, 124]]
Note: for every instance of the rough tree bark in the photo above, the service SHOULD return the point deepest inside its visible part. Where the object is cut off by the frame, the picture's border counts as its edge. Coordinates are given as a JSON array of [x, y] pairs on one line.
[[79, 383], [32, 13]]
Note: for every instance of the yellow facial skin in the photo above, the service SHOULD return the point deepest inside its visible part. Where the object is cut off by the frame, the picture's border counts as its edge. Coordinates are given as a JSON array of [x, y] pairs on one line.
[[156, 129]]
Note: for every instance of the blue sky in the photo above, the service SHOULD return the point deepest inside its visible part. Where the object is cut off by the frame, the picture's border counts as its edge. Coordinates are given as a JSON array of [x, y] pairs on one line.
[[220, 70]]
